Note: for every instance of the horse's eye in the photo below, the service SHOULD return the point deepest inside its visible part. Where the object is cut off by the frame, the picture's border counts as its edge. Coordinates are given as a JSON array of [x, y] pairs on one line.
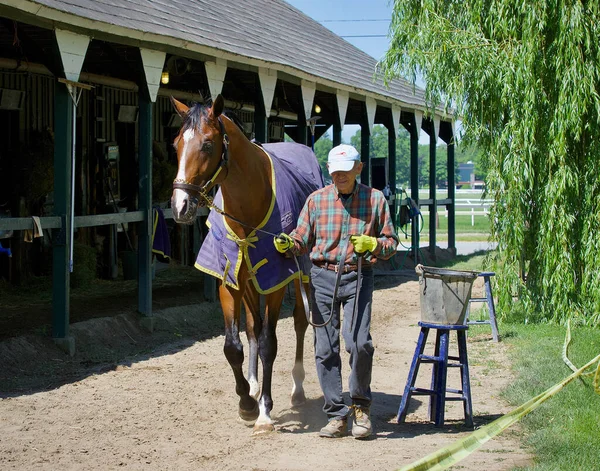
[[207, 147]]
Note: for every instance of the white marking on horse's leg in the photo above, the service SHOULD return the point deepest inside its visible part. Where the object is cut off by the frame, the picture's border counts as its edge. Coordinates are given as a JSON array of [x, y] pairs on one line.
[[297, 395], [263, 416], [254, 387], [297, 387]]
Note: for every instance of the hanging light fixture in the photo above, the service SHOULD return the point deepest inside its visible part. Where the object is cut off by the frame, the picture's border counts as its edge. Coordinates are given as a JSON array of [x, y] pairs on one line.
[[317, 109], [164, 78]]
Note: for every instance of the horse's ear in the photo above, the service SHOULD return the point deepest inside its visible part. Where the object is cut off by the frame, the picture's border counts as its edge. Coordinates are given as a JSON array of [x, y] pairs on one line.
[[217, 107], [180, 107]]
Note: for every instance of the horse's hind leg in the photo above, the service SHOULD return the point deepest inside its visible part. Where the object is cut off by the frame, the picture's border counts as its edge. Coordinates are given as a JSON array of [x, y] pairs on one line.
[[231, 303], [267, 350], [300, 325], [252, 303]]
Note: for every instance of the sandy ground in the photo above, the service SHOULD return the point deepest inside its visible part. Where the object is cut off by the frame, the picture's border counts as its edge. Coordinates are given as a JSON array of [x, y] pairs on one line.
[[166, 401]]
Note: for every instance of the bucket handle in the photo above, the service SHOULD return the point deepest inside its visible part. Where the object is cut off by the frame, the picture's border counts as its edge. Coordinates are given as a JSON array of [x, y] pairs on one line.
[[422, 279]]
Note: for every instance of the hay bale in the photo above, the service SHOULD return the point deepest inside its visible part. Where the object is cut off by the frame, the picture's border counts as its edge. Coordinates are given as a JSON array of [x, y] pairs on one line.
[[84, 263]]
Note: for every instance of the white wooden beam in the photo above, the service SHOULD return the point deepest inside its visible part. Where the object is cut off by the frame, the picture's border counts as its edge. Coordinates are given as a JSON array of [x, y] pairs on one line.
[[342, 101], [215, 73], [72, 47], [418, 120], [308, 96], [153, 62], [268, 82], [371, 109], [396, 113], [436, 126]]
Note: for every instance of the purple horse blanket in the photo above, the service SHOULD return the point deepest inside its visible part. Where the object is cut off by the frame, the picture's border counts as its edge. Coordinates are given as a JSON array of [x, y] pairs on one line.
[[296, 174]]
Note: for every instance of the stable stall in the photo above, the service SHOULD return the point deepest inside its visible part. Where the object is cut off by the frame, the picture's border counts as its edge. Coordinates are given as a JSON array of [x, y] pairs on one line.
[[85, 147]]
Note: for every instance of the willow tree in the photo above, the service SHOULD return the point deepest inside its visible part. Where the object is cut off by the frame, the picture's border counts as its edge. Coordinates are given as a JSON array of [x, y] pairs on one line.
[[524, 77]]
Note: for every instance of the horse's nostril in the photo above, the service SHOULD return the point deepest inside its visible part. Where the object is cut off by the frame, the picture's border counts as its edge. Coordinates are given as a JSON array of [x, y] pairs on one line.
[[184, 207]]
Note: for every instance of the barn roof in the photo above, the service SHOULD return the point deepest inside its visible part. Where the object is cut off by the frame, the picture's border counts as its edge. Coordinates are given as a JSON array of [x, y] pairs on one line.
[[267, 33]]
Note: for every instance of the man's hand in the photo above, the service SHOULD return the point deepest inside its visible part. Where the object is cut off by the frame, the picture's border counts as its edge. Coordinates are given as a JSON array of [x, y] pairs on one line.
[[283, 242], [363, 243]]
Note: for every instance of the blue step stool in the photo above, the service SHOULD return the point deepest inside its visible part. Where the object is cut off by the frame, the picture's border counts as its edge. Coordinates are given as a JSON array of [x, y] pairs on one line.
[[438, 391], [489, 299]]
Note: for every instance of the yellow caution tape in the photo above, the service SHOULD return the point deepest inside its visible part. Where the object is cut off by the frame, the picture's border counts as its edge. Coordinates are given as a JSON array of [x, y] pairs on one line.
[[453, 453], [568, 362], [566, 347]]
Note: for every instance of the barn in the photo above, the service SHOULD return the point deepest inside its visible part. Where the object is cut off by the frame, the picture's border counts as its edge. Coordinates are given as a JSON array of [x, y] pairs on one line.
[[87, 126]]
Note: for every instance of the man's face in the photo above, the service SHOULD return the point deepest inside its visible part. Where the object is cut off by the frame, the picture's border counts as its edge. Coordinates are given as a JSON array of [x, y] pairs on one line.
[[344, 181]]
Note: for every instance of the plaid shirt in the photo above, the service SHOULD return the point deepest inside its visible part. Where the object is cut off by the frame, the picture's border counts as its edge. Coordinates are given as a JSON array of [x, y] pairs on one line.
[[326, 221]]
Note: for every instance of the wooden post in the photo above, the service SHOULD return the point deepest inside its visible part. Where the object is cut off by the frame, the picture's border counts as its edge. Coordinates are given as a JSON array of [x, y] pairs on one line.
[[260, 115], [63, 122], [302, 130], [145, 205], [414, 183], [432, 193], [451, 208], [365, 137], [337, 133], [392, 170]]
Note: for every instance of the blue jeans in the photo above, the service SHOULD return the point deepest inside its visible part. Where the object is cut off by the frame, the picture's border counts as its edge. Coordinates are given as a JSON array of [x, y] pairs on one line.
[[357, 337]]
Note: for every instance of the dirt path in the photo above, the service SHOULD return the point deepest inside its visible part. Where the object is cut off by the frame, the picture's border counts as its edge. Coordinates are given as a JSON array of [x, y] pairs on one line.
[[166, 401]]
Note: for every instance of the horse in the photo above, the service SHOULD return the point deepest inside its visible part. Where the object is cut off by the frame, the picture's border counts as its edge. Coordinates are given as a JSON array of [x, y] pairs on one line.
[[213, 150]]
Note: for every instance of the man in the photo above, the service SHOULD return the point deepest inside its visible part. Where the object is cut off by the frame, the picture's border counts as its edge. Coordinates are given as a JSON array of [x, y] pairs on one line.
[[338, 224]]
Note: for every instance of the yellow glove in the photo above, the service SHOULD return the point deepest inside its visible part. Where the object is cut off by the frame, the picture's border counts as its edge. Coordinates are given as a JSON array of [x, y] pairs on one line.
[[363, 243], [283, 242]]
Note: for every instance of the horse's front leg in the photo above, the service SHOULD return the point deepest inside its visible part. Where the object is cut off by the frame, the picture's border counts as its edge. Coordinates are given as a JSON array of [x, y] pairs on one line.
[[253, 325], [267, 350], [300, 325], [231, 303]]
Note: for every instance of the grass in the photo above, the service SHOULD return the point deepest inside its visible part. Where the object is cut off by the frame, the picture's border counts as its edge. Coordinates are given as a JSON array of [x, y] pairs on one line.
[[473, 261], [466, 228], [563, 432], [464, 231], [462, 226]]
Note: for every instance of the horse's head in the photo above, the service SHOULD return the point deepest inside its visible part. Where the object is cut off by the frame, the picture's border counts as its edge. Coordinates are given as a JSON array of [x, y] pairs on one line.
[[201, 154]]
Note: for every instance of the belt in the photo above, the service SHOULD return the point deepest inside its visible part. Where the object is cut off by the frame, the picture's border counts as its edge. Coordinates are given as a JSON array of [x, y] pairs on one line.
[[347, 268]]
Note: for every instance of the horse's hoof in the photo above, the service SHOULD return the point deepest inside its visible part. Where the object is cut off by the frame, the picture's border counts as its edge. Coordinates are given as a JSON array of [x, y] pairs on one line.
[[263, 429], [298, 399], [247, 423], [249, 415]]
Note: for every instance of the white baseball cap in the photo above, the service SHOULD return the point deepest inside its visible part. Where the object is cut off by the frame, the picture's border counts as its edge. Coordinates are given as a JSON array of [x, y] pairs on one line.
[[342, 158]]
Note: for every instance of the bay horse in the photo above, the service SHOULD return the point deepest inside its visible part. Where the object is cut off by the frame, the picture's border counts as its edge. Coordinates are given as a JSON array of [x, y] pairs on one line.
[[212, 150]]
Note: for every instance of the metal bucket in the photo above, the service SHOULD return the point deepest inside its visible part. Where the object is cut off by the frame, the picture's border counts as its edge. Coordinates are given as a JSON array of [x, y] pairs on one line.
[[445, 294]]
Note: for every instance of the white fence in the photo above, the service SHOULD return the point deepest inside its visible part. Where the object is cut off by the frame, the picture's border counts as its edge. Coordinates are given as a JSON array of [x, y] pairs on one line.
[[472, 213], [467, 203]]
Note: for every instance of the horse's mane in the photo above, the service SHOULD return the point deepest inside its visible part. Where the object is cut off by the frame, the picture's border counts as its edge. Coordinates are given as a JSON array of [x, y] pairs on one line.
[[198, 111]]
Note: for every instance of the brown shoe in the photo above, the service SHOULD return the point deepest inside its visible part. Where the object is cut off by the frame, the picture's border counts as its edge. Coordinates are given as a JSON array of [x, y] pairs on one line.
[[335, 428], [361, 424]]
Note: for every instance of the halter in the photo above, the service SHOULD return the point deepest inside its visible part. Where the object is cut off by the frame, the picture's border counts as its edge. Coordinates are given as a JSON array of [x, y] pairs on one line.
[[182, 184]]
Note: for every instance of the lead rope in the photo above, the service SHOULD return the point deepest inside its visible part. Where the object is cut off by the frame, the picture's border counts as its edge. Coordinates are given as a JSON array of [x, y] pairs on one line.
[[202, 191], [210, 204], [305, 302]]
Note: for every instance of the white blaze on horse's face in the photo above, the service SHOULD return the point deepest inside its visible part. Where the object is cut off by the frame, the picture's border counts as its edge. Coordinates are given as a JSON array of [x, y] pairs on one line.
[[181, 200]]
